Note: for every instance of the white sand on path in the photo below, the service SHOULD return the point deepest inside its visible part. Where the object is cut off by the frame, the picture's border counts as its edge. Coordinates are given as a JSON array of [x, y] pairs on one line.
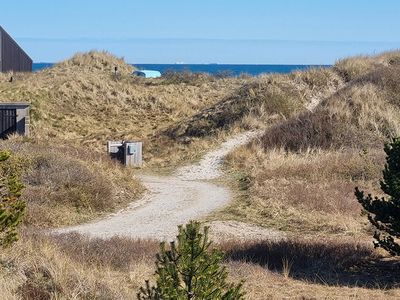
[[174, 200]]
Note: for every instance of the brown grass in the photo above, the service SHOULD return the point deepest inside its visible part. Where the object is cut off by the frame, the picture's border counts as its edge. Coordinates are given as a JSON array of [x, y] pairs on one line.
[[363, 114], [262, 98], [264, 284], [256, 103], [117, 253], [186, 77], [358, 116], [298, 178], [67, 185], [355, 67], [73, 266], [95, 61], [309, 192], [327, 261], [313, 269], [81, 102]]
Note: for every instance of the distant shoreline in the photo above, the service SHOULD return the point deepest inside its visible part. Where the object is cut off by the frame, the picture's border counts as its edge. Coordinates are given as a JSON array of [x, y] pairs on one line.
[[226, 69]]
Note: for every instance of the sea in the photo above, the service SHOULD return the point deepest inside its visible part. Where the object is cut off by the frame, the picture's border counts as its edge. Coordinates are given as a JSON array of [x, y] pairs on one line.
[[214, 69]]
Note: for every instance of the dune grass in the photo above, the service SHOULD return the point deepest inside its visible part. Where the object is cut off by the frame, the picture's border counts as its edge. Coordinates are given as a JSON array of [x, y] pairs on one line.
[[81, 101], [299, 177], [308, 193], [72, 266], [363, 114], [65, 185]]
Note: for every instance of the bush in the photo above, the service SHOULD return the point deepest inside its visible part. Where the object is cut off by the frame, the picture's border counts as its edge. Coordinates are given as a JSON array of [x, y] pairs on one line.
[[186, 77], [384, 214], [12, 208], [258, 99], [360, 116], [188, 270], [76, 184]]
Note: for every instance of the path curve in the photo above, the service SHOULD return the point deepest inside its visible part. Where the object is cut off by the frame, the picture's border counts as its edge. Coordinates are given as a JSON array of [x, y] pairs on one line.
[[170, 200]]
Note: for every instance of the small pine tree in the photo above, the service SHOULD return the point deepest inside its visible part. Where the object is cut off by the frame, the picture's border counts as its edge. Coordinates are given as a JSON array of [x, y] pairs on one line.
[[384, 213], [190, 270], [12, 208]]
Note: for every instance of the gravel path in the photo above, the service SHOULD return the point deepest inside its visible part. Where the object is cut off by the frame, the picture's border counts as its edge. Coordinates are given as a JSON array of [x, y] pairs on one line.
[[209, 167], [171, 200]]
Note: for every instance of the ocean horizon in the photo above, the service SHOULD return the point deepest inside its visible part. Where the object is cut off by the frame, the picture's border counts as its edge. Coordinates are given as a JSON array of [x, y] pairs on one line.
[[214, 69]]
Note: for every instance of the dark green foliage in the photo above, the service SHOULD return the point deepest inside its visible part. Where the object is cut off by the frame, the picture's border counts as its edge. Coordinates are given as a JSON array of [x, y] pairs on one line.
[[11, 207], [384, 213], [190, 270]]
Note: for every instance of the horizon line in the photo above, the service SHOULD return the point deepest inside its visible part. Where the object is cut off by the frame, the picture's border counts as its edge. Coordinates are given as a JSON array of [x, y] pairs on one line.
[[144, 39], [217, 64]]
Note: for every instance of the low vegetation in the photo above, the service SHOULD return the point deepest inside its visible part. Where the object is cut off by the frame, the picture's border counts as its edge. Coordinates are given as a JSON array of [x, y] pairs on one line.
[[362, 115], [71, 266], [323, 136], [189, 269], [258, 103], [384, 213], [81, 102], [65, 185], [12, 208], [304, 193], [300, 175]]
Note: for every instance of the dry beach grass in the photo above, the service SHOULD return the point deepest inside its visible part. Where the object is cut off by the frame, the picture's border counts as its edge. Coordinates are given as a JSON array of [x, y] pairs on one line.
[[298, 178], [66, 185], [309, 193], [81, 102], [71, 266], [300, 175]]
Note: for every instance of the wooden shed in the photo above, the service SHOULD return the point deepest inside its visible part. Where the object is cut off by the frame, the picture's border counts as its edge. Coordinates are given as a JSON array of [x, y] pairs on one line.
[[12, 57], [14, 118]]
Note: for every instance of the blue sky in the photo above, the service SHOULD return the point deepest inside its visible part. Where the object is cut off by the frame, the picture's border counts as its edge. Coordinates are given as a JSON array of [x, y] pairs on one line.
[[205, 31]]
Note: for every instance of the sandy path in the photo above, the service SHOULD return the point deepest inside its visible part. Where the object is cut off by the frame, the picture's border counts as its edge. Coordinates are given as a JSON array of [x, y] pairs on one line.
[[210, 166], [171, 200]]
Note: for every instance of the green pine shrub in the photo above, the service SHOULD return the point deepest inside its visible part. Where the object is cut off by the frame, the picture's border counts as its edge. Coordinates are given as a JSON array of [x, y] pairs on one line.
[[12, 208], [384, 213], [190, 270]]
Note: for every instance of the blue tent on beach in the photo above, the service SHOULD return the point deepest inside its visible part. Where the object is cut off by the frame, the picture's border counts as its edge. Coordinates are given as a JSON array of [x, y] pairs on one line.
[[147, 73]]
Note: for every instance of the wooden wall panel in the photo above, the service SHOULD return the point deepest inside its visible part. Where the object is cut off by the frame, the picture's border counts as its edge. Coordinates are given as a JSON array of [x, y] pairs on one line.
[[13, 58]]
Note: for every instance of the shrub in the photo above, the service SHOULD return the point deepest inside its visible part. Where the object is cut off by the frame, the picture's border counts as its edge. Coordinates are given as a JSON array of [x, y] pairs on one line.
[[11, 207], [186, 77], [257, 99], [359, 115], [384, 214], [76, 184], [387, 78], [188, 270], [351, 68]]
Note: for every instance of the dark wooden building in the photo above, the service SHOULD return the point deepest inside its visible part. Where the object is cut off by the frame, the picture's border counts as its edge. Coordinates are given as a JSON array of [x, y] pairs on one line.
[[14, 118], [12, 57]]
